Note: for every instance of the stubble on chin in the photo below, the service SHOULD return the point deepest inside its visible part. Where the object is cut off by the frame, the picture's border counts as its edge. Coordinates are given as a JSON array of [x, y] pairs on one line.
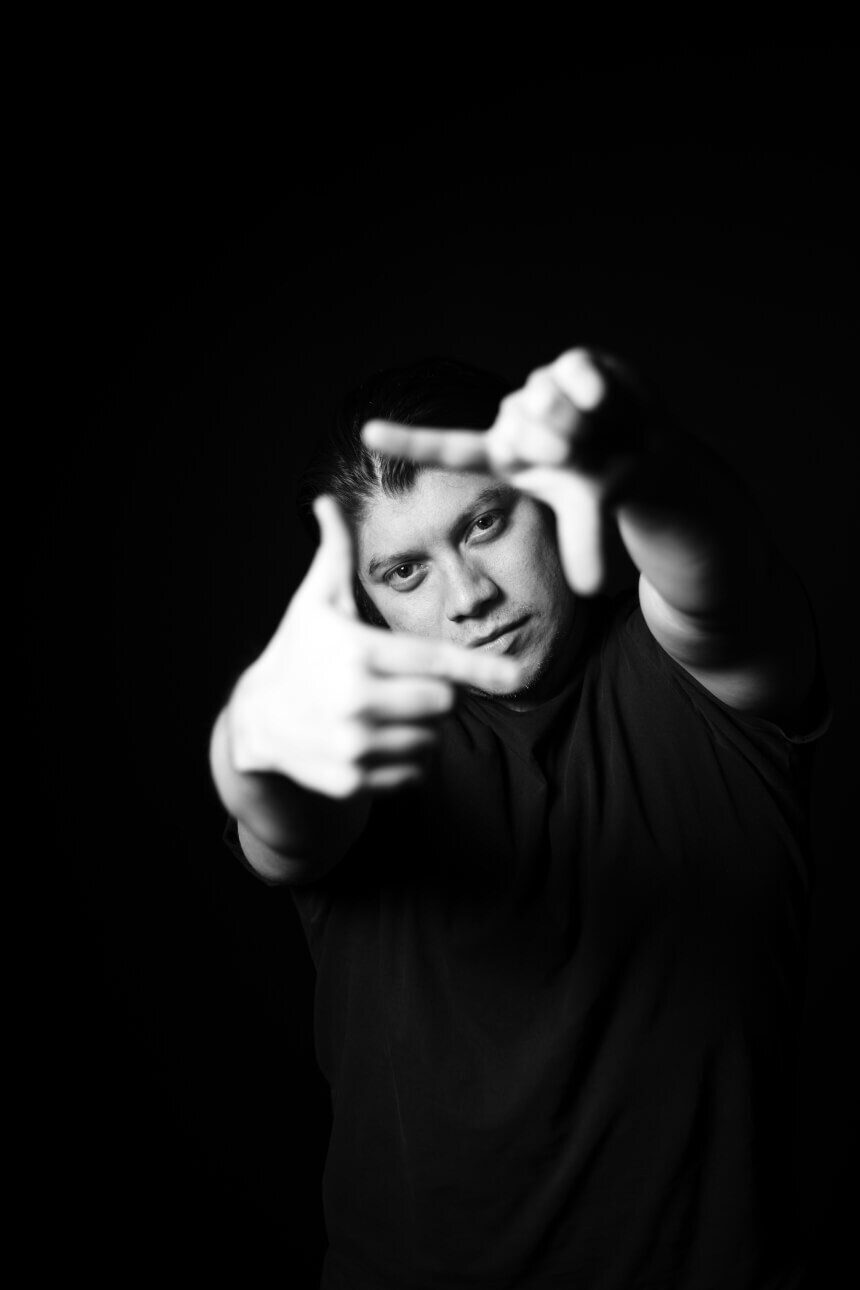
[[550, 671]]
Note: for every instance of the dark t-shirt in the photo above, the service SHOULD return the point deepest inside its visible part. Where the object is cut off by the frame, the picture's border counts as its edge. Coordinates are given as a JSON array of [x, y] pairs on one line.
[[558, 991]]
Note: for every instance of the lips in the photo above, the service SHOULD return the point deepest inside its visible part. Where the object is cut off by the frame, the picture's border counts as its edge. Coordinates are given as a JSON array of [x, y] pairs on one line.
[[494, 635]]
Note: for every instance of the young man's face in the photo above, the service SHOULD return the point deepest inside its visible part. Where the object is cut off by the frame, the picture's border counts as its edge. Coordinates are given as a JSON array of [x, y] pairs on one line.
[[465, 557]]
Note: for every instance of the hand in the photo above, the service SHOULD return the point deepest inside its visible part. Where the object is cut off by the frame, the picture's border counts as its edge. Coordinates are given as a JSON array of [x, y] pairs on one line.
[[340, 707], [572, 437]]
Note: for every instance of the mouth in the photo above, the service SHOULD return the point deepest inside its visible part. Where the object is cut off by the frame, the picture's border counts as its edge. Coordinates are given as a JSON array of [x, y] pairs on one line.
[[500, 636]]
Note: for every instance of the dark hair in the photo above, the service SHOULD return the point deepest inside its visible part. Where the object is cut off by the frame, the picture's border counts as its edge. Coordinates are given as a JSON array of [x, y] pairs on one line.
[[438, 391]]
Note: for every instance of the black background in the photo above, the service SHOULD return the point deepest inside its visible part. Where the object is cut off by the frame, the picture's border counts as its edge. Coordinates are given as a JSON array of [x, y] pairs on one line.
[[218, 277]]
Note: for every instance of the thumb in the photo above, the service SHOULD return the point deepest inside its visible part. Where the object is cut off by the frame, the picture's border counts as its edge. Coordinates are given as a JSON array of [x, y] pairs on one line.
[[580, 524], [331, 572]]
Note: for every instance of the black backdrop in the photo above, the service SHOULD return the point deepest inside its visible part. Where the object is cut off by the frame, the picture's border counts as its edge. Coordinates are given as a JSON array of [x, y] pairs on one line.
[[217, 290]]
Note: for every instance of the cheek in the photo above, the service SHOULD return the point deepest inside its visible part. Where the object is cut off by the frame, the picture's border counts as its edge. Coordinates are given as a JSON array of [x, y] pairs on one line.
[[404, 613], [533, 562], [398, 616]]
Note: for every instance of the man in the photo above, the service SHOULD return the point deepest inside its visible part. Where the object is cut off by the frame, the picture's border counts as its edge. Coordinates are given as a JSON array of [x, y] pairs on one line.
[[549, 848]]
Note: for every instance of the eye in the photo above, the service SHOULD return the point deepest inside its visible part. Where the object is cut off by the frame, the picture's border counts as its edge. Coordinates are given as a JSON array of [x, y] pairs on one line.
[[405, 576], [492, 521]]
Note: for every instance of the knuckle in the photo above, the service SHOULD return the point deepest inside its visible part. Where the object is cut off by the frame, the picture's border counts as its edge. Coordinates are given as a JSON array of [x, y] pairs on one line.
[[504, 441], [414, 739], [346, 781], [442, 696], [513, 410], [569, 365], [546, 399], [354, 693], [540, 383], [355, 651], [351, 742], [579, 375], [575, 356], [410, 773], [390, 778]]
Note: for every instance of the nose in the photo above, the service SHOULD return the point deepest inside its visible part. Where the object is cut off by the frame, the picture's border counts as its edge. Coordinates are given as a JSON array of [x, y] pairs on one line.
[[469, 591]]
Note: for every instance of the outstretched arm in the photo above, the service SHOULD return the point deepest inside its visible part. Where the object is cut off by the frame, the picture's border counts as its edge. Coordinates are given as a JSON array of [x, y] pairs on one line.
[[586, 438]]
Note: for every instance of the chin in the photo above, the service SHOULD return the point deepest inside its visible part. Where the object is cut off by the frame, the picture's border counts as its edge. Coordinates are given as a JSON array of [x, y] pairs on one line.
[[536, 672]]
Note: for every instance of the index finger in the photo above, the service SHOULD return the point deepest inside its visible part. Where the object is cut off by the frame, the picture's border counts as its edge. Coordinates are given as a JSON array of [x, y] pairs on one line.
[[403, 654], [453, 449]]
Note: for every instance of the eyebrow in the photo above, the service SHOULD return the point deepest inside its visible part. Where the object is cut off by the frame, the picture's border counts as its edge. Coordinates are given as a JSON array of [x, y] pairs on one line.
[[492, 493]]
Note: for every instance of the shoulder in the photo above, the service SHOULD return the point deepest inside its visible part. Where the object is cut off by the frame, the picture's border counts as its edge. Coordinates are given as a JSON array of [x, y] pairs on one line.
[[645, 714]]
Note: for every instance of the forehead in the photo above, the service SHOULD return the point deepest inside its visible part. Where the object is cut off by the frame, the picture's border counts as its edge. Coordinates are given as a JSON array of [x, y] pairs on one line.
[[435, 502]]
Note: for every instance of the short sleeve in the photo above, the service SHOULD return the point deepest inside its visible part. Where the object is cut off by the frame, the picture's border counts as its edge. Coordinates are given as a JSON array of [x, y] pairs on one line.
[[768, 745]]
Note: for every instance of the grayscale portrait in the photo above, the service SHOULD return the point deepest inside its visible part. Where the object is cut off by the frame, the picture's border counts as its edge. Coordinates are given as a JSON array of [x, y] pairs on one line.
[[467, 901]]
